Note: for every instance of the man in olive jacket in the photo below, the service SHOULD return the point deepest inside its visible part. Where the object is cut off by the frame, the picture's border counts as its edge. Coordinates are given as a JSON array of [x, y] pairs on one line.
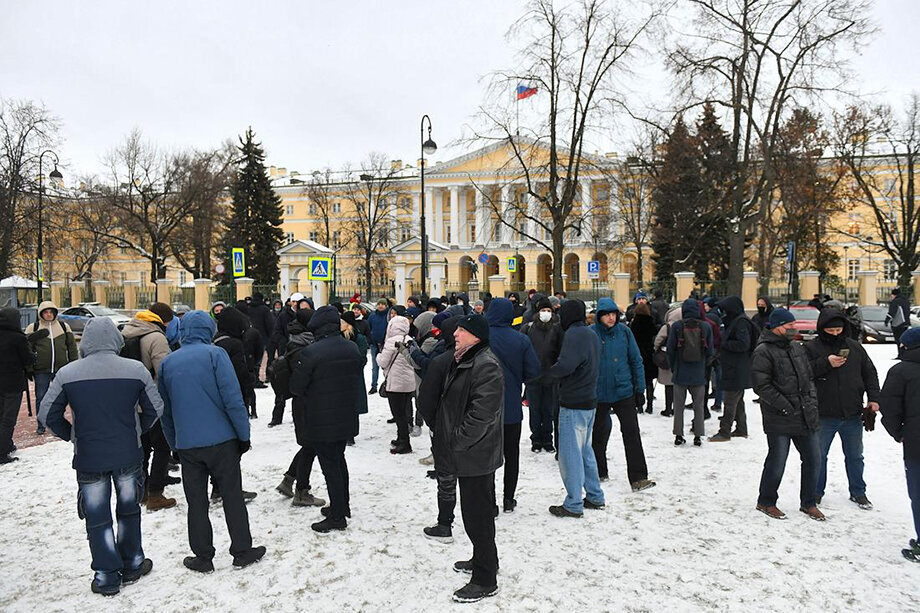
[[470, 420], [782, 377]]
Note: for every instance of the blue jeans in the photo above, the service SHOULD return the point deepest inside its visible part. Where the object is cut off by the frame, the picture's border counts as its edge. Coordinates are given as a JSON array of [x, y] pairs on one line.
[[42, 383], [112, 555], [775, 465], [912, 471], [850, 431], [577, 463], [375, 369], [717, 384]]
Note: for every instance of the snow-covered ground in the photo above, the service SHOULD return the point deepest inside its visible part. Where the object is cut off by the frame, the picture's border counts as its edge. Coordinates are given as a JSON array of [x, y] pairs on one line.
[[694, 542]]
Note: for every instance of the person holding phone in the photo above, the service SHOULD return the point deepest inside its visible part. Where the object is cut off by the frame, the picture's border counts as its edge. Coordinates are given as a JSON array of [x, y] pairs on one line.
[[844, 375]]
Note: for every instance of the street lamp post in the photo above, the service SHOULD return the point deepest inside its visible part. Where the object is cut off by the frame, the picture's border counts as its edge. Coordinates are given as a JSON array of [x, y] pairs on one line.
[[39, 263], [429, 147]]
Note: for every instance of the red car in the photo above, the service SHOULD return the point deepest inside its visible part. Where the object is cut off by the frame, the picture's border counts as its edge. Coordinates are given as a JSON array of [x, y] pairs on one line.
[[806, 322]]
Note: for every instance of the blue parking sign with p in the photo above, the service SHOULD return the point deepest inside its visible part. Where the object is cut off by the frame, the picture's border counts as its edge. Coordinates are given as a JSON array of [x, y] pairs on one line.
[[239, 262], [320, 269], [594, 266]]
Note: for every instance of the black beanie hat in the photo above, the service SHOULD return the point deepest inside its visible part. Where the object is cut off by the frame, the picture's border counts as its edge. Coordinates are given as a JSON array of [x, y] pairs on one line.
[[163, 311], [572, 311], [475, 325]]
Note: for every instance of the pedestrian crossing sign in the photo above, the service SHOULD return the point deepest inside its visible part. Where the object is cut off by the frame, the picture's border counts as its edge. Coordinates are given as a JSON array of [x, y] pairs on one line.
[[320, 269], [239, 262], [512, 264]]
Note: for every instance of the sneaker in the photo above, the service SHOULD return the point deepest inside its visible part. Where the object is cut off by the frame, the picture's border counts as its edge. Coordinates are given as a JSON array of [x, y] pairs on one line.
[[416, 431], [129, 577], [594, 506], [464, 566], [303, 498], [286, 487], [106, 590], [814, 513], [561, 511], [536, 448], [249, 496], [427, 460], [6, 459], [642, 484], [392, 420], [439, 533], [738, 434], [911, 554], [328, 525], [862, 501], [771, 511], [373, 390], [401, 449], [325, 512], [474, 593], [199, 565], [273, 423], [720, 438], [679, 440], [156, 502], [508, 505], [548, 447], [249, 557], [697, 441]]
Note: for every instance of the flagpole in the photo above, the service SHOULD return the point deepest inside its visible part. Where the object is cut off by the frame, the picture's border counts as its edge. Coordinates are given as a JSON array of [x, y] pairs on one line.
[[517, 115]]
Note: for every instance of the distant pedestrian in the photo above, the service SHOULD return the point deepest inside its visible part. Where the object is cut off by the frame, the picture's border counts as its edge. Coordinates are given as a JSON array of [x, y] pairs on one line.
[[542, 394], [898, 316], [54, 346], [399, 377], [738, 342], [16, 361], [377, 320], [690, 347]]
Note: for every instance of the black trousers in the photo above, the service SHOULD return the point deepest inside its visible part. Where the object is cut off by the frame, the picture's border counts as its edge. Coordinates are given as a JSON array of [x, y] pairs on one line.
[[512, 450], [332, 460], [625, 410], [222, 463], [401, 408], [447, 498], [154, 443], [10, 402], [477, 505], [278, 410]]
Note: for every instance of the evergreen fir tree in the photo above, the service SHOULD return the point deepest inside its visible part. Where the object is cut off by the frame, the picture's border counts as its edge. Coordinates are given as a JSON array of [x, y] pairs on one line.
[[715, 174], [255, 217]]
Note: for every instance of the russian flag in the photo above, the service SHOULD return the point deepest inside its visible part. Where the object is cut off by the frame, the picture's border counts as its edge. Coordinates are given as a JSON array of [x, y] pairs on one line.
[[525, 91]]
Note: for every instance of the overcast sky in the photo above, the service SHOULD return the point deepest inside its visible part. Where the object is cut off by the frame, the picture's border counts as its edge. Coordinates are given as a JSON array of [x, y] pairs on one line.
[[321, 82]]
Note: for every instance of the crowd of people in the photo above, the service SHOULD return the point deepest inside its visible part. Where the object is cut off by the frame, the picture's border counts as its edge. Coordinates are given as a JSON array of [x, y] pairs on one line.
[[174, 390]]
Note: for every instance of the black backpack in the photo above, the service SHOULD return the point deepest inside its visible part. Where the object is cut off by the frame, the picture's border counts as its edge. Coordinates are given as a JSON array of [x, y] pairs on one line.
[[692, 343], [132, 348], [280, 370]]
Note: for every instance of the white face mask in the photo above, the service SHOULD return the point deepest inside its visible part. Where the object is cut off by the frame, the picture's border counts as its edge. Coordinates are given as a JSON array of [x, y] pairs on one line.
[[545, 316]]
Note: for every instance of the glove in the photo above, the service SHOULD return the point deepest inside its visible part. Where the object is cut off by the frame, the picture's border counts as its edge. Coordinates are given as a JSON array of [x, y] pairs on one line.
[[640, 399], [868, 419], [38, 335], [244, 446]]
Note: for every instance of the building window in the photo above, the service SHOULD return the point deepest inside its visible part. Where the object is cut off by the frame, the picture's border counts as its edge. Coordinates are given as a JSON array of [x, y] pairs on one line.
[[182, 277], [890, 270], [336, 239], [312, 208], [336, 207], [289, 209], [122, 277], [314, 236], [404, 233], [289, 238], [473, 232], [602, 194], [852, 267]]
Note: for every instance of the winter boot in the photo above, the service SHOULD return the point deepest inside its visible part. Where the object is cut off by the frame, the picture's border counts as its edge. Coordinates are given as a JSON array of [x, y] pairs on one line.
[[474, 593], [594, 506], [401, 448], [286, 487], [155, 502], [199, 565], [325, 512], [129, 577], [303, 498], [561, 511], [771, 511], [642, 484], [862, 501], [439, 533], [249, 557], [328, 525], [814, 513]]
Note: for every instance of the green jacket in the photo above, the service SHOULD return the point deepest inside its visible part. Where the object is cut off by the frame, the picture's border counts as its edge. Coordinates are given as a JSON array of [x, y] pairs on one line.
[[57, 349]]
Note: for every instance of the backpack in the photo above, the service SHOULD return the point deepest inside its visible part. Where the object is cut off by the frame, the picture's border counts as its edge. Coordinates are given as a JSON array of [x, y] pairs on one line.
[[691, 343], [280, 370], [132, 348]]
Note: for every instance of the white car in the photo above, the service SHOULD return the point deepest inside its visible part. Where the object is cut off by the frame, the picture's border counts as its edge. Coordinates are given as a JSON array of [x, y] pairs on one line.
[[76, 317]]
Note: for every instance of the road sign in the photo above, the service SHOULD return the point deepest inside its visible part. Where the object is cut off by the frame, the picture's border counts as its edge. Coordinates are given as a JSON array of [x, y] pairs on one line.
[[239, 262], [594, 269], [320, 269], [512, 264], [483, 258], [219, 269]]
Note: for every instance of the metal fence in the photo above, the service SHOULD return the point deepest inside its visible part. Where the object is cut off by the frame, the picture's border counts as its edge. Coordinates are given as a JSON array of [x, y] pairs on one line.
[[221, 293], [146, 295], [115, 296]]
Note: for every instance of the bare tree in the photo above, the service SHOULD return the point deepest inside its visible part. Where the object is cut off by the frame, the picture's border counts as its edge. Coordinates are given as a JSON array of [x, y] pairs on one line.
[[881, 155], [78, 229], [376, 197], [572, 54], [323, 192], [26, 129], [755, 59]]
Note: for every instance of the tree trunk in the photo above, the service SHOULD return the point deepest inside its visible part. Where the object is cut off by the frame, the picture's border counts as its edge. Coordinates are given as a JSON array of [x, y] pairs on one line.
[[639, 273], [368, 277], [558, 255], [736, 260]]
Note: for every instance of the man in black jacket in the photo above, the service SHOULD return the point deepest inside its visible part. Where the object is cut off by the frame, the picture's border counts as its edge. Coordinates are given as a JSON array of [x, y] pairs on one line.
[[264, 323], [844, 374], [900, 405], [898, 314], [469, 420], [543, 393], [328, 373], [781, 374], [16, 359], [738, 340]]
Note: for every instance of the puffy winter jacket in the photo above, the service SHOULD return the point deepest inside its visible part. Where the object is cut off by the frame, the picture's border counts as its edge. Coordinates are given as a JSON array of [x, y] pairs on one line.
[[621, 372], [103, 391], [546, 339], [231, 327], [644, 329], [900, 403], [203, 404], [515, 354], [429, 397], [153, 344], [686, 373], [841, 390], [739, 334], [398, 371], [665, 376], [378, 321], [16, 356], [262, 319], [57, 349], [782, 377]]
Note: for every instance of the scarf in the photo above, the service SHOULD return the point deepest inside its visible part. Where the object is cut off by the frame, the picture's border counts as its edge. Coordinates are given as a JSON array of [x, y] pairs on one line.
[[461, 350]]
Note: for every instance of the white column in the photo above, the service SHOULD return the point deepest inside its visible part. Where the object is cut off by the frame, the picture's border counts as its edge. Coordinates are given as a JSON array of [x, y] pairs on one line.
[[429, 218], [507, 214], [482, 216], [319, 293], [439, 216], [454, 215], [285, 281], [436, 280], [401, 283], [533, 209], [463, 238], [416, 212], [587, 210]]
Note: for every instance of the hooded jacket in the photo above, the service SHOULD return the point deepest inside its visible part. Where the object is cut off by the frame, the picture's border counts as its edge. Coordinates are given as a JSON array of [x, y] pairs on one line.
[[644, 328], [689, 374], [782, 377], [579, 359], [57, 349], [152, 333], [900, 403], [398, 371], [760, 319], [546, 339], [326, 383], [232, 326], [516, 355], [841, 390], [262, 319], [203, 403], [378, 322], [737, 339], [103, 391], [620, 372], [661, 342], [16, 356]]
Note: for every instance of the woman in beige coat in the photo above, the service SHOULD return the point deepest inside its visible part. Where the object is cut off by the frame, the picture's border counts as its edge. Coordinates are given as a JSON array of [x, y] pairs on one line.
[[400, 380]]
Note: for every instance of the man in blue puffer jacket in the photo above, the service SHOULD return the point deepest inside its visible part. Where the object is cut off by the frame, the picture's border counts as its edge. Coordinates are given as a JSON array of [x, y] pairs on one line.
[[620, 381], [205, 420], [377, 320], [520, 364]]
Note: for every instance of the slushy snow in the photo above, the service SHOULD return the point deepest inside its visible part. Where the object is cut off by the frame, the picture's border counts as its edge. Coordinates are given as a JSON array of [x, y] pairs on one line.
[[694, 542]]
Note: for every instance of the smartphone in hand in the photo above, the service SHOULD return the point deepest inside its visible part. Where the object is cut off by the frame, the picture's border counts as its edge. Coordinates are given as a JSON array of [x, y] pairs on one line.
[[844, 353]]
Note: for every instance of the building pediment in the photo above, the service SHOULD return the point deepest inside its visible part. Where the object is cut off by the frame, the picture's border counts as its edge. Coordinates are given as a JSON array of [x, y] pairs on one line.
[[414, 245], [305, 247]]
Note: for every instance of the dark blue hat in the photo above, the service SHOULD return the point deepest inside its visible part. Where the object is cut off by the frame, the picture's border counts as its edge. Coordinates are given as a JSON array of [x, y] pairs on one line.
[[778, 317], [911, 338]]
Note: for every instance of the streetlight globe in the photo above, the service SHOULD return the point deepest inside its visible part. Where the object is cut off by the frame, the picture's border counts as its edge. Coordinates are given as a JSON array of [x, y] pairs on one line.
[[56, 174], [429, 147]]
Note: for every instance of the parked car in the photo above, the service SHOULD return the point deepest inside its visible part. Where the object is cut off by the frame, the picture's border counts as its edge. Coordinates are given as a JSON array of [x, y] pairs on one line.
[[76, 317], [875, 328], [806, 322]]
